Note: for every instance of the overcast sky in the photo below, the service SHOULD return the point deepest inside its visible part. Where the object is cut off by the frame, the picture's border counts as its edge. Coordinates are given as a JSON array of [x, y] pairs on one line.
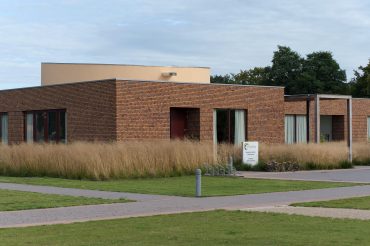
[[225, 35]]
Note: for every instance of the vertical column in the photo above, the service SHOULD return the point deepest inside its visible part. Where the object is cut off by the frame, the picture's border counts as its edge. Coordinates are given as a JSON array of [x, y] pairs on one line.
[[317, 118], [308, 119], [349, 126], [214, 129]]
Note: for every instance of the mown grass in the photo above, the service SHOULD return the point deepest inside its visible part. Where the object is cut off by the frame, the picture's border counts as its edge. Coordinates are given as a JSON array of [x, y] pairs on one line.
[[201, 228], [11, 200], [354, 203], [182, 186]]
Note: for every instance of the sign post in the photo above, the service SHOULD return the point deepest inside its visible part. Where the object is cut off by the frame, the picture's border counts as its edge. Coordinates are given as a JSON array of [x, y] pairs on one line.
[[250, 153]]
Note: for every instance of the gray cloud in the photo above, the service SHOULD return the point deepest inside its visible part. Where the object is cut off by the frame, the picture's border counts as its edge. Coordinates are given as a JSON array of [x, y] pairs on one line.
[[225, 35]]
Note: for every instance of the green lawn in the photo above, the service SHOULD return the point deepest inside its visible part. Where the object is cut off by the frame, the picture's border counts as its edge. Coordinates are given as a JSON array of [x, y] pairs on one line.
[[356, 203], [18, 200], [202, 228], [182, 186]]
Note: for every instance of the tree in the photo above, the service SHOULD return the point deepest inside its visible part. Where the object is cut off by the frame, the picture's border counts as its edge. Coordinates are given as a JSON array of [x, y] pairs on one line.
[[317, 73], [322, 74], [286, 68], [222, 79], [360, 84], [254, 76]]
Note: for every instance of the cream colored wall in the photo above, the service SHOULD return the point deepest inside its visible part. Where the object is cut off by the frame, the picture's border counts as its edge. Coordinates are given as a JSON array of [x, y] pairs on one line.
[[59, 73]]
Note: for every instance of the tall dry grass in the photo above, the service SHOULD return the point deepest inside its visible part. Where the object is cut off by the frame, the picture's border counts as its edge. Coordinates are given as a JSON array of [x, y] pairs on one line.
[[105, 160], [308, 156], [101, 161], [317, 156]]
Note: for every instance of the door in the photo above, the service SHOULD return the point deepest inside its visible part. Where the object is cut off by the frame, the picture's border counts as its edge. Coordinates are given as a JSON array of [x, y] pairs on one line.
[[177, 123]]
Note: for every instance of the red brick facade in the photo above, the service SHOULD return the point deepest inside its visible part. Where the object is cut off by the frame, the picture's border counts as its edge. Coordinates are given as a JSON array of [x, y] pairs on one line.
[[338, 109], [90, 108], [143, 108], [111, 110], [125, 110]]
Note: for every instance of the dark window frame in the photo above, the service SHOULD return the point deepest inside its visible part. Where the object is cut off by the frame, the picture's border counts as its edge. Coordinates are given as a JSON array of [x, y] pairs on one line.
[[1, 125], [229, 110], [186, 129], [46, 124]]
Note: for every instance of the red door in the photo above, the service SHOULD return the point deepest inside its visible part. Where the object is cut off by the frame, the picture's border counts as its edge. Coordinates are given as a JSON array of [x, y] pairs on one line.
[[177, 123]]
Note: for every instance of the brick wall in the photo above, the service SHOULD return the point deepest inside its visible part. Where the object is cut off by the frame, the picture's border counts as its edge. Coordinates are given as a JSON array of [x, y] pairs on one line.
[[361, 110], [339, 131], [193, 124], [337, 108], [121, 110], [90, 108], [143, 108]]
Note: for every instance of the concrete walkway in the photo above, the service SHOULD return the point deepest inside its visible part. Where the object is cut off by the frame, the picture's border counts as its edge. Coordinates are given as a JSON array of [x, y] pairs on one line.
[[80, 192], [155, 205], [359, 174]]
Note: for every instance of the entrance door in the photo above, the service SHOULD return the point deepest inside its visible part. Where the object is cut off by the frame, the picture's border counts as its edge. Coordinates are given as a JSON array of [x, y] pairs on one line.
[[178, 123]]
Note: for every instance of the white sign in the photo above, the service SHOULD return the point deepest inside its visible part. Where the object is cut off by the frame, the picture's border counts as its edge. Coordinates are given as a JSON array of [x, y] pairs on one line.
[[250, 153]]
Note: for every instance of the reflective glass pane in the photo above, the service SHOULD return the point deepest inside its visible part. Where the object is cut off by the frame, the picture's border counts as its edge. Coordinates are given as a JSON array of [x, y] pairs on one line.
[[40, 127], [62, 127], [52, 127]]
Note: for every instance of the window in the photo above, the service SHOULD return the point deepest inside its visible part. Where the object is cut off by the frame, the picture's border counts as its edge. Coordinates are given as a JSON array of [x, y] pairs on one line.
[[229, 126], [3, 128], [185, 123], [45, 126], [295, 129]]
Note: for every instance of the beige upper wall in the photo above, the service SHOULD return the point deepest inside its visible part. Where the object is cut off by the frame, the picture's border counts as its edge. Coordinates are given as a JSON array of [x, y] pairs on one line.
[[60, 73]]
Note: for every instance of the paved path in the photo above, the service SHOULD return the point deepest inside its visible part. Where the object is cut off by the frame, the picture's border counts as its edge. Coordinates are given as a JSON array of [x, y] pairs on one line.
[[153, 205], [80, 192], [341, 213], [359, 174]]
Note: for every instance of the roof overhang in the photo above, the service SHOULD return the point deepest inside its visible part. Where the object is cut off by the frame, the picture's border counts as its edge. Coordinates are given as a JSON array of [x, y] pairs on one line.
[[309, 97]]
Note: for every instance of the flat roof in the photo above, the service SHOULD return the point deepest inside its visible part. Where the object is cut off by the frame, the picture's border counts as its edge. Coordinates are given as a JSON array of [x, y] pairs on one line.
[[300, 97], [131, 80], [128, 65]]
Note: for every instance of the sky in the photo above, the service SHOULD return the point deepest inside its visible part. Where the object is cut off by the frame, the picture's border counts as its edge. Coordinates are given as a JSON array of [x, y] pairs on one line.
[[226, 35]]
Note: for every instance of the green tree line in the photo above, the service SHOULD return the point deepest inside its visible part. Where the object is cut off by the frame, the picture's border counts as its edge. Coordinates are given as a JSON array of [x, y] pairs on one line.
[[318, 72]]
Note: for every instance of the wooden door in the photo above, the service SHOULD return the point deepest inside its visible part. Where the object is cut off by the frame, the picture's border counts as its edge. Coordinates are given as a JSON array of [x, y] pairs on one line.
[[177, 123]]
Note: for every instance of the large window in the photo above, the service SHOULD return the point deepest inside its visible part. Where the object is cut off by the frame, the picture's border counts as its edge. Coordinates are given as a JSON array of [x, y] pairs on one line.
[[3, 128], [46, 126], [229, 126], [295, 129]]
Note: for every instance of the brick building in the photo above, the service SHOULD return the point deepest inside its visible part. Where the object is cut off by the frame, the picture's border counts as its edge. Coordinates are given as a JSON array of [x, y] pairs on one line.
[[133, 106]]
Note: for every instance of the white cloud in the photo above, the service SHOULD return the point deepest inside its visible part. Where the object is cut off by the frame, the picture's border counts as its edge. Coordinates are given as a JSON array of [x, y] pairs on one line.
[[225, 35]]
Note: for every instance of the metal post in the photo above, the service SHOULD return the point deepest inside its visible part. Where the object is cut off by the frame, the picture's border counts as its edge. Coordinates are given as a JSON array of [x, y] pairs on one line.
[[231, 167], [349, 127], [198, 182], [317, 118]]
